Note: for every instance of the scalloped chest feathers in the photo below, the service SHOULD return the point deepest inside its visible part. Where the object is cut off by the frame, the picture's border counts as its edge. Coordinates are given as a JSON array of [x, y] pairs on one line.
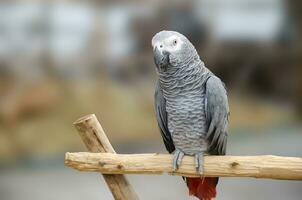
[[187, 120]]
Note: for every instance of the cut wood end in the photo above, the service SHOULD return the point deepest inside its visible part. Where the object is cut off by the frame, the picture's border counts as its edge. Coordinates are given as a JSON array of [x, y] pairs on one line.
[[66, 161], [84, 118]]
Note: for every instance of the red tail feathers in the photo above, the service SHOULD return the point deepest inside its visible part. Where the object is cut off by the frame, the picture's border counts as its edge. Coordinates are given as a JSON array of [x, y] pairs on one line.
[[203, 188]]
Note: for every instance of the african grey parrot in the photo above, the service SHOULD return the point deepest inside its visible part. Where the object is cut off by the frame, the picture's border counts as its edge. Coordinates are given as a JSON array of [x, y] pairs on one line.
[[191, 107]]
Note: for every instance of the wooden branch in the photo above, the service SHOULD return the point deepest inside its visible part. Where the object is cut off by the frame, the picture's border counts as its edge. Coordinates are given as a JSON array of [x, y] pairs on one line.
[[272, 167], [96, 140]]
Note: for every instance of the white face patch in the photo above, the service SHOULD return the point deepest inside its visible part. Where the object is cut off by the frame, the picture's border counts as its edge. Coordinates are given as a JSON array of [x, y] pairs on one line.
[[170, 44]]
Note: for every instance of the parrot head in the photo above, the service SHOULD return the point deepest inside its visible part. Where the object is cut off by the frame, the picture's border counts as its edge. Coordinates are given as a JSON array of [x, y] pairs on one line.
[[171, 49]]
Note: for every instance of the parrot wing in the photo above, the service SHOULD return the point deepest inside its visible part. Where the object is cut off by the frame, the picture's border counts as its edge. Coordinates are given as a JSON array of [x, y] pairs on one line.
[[162, 120], [217, 115]]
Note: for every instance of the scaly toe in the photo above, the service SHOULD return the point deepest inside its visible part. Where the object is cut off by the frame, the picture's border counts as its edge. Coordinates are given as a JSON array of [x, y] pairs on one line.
[[199, 162], [178, 156]]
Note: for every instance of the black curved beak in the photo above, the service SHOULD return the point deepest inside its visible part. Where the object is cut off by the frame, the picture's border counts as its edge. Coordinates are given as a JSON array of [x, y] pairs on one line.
[[161, 59]]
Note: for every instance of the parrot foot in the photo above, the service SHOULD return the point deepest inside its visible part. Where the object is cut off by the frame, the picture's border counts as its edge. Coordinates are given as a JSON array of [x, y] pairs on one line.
[[178, 156], [199, 161]]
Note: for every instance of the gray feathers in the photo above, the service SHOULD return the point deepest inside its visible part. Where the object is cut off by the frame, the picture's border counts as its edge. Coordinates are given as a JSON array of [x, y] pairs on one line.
[[217, 114], [162, 120]]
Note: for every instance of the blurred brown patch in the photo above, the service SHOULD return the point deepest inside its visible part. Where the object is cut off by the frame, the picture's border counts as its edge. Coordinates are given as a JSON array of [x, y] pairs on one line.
[[24, 101]]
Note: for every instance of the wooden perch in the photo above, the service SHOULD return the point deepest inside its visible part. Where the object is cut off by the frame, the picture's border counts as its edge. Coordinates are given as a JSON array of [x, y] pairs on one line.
[[96, 140], [272, 167]]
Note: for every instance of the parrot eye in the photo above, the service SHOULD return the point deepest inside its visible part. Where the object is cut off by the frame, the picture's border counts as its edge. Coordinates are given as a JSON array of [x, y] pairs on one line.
[[161, 46], [174, 42]]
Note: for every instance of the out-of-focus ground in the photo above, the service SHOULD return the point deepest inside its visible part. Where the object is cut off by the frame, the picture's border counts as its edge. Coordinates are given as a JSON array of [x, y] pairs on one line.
[[62, 60]]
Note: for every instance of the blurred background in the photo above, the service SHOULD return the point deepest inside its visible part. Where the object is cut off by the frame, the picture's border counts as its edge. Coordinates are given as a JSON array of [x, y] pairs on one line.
[[60, 60]]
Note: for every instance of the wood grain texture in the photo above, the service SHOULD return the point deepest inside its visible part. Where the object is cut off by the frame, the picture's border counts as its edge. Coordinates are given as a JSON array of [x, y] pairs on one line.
[[266, 166], [96, 140]]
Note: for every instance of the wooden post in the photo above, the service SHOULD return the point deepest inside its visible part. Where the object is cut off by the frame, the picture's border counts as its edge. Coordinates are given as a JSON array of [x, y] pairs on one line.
[[96, 140], [267, 166]]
